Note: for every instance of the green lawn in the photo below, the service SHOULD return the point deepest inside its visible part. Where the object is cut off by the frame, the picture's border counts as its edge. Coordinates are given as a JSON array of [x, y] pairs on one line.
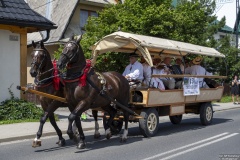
[[17, 121], [226, 99], [25, 120]]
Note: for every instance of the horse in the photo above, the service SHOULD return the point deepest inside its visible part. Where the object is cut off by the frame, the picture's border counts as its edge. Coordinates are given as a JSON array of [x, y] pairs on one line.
[[42, 69], [87, 89]]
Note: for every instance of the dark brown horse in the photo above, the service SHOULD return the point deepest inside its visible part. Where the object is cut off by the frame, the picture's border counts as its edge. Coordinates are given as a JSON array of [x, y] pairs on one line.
[[42, 70], [84, 86]]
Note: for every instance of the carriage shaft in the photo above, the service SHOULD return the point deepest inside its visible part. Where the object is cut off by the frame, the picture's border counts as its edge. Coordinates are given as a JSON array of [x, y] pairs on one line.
[[25, 89]]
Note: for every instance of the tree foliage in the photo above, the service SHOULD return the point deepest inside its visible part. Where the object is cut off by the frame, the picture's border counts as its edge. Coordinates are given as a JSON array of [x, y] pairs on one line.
[[189, 21]]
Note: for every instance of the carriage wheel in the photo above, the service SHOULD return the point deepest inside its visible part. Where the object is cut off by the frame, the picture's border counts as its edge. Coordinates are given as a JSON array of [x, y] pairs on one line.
[[206, 113], [176, 119], [149, 124], [116, 125]]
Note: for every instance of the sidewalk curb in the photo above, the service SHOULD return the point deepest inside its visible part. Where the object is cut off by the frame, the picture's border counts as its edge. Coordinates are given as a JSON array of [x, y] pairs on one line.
[[32, 136], [227, 109]]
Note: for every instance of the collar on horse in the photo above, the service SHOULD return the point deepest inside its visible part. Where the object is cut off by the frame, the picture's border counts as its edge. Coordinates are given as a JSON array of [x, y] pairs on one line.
[[82, 77], [44, 83]]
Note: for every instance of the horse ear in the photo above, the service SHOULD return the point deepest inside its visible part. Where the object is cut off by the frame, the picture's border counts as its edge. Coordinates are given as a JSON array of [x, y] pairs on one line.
[[42, 45], [79, 39], [33, 44]]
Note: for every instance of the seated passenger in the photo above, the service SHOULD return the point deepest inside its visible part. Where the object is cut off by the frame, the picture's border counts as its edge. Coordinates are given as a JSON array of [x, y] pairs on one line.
[[188, 65], [178, 68], [167, 81], [197, 69], [134, 71], [146, 72], [178, 62], [156, 82]]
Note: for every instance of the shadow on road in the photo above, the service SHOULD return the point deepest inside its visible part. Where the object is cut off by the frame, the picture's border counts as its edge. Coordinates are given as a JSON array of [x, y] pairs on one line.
[[134, 134]]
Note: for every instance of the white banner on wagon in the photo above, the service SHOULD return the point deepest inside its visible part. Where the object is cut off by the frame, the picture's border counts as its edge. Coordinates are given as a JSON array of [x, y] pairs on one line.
[[190, 86]]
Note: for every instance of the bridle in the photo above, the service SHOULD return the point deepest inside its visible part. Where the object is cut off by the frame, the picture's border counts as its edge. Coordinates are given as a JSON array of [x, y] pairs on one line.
[[38, 68], [74, 54], [34, 63]]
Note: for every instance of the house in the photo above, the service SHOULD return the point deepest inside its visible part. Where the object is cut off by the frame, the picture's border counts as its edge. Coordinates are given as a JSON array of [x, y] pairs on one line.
[[16, 20], [70, 17], [226, 30]]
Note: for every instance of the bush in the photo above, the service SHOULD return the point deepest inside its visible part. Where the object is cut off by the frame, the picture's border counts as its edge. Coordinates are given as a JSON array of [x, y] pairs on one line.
[[18, 109]]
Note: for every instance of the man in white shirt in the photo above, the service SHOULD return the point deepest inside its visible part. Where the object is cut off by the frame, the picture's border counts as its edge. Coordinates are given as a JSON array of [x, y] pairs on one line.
[[197, 69], [134, 71]]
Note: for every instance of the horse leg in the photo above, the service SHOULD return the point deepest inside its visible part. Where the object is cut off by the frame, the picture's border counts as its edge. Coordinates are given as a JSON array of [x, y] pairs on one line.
[[81, 143], [74, 128], [37, 141], [61, 141], [96, 133], [71, 118], [125, 133], [112, 112]]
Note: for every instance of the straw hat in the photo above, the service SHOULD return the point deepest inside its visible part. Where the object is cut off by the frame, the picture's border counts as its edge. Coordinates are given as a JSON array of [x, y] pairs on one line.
[[197, 60]]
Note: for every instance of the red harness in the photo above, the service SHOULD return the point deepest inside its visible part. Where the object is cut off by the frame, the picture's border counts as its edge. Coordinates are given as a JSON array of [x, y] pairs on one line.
[[56, 78], [82, 79]]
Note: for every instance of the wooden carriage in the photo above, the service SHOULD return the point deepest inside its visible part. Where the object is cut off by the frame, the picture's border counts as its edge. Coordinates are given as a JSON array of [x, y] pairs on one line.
[[155, 102]]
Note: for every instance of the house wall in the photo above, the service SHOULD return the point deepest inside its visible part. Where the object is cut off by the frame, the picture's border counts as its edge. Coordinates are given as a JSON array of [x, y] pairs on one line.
[[74, 25], [219, 35], [9, 64]]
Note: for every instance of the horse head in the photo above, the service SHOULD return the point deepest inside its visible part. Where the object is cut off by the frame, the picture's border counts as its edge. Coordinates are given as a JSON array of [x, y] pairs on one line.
[[72, 55], [39, 58]]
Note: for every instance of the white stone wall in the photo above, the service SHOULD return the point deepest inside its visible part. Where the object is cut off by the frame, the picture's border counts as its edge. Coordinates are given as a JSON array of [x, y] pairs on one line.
[[9, 64]]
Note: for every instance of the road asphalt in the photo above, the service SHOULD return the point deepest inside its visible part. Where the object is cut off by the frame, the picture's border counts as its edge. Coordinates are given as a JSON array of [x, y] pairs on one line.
[[27, 130]]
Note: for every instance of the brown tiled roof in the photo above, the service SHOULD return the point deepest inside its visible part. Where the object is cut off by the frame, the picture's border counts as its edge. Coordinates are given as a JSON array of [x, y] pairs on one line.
[[17, 12]]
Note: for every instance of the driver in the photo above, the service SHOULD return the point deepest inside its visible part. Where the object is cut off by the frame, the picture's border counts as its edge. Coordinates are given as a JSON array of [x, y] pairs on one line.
[[134, 71]]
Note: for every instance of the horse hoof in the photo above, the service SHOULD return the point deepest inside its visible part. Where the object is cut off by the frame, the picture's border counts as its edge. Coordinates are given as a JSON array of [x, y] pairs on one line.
[[97, 136], [109, 135], [123, 140], [36, 143], [81, 145], [61, 142]]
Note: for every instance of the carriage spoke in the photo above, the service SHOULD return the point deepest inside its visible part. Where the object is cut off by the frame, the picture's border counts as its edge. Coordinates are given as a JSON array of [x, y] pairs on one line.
[[151, 122]]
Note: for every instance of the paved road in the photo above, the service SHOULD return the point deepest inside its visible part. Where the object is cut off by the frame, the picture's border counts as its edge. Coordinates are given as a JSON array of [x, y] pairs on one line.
[[187, 141]]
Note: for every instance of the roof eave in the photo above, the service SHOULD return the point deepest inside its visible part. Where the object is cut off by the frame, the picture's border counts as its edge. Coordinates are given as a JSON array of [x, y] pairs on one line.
[[39, 26], [94, 3]]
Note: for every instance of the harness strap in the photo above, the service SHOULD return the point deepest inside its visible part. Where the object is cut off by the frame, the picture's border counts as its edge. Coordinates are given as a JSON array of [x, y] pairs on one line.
[[43, 85], [104, 95], [82, 78]]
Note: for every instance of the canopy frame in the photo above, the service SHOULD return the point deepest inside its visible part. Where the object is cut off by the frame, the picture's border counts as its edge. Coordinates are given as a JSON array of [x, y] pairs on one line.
[[147, 46]]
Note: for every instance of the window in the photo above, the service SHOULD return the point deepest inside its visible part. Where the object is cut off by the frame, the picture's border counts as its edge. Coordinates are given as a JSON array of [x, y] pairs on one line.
[[84, 14], [222, 36]]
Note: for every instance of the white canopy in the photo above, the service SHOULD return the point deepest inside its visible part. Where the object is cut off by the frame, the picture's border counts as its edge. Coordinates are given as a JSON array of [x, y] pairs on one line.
[[147, 46]]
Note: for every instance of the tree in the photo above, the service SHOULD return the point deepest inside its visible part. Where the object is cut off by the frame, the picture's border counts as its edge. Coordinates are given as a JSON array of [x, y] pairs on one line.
[[189, 21]]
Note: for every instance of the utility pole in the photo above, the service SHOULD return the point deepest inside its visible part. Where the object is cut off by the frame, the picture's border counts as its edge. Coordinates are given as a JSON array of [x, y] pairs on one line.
[[237, 22]]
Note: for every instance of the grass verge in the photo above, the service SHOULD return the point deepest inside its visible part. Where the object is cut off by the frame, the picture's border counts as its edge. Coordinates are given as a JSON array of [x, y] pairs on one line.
[[24, 120], [226, 99]]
